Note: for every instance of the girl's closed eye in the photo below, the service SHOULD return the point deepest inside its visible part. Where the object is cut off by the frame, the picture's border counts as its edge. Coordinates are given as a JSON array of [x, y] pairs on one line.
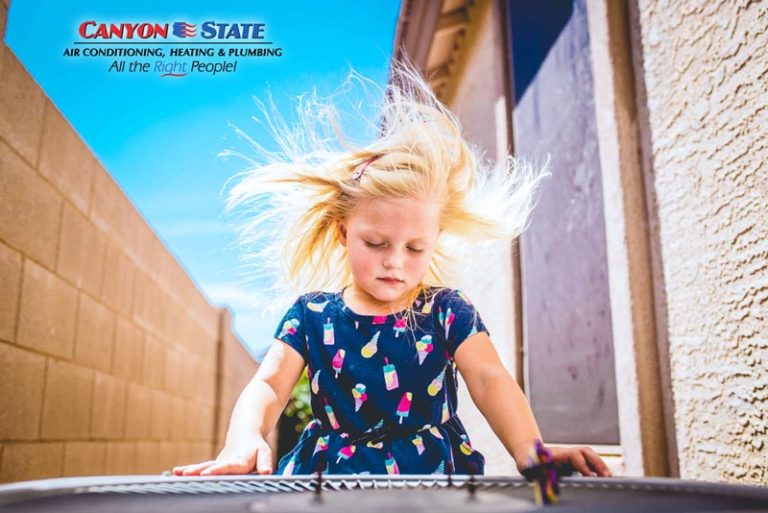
[[375, 244]]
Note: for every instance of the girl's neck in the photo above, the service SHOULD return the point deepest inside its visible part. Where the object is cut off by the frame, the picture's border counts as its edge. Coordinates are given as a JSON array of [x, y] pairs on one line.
[[363, 303]]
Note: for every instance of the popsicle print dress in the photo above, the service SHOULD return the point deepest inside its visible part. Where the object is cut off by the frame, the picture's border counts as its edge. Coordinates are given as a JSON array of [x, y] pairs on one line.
[[383, 388]]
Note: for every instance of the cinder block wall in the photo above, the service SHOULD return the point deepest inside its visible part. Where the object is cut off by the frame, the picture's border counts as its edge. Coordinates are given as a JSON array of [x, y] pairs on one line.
[[110, 355], [704, 73]]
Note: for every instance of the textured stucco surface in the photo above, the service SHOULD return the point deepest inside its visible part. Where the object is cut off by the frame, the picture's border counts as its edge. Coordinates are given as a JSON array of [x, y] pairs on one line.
[[706, 77]]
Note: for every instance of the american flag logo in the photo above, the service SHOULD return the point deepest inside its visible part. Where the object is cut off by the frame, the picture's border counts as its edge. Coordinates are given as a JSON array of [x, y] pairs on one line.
[[184, 29]]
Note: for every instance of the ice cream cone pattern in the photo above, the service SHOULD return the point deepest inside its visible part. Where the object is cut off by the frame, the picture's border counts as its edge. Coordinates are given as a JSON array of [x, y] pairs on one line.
[[359, 394], [321, 445], [317, 307], [391, 464], [289, 327], [424, 347], [418, 441], [338, 361], [316, 382], [445, 415], [399, 326], [464, 447], [377, 445], [440, 468], [328, 338], [427, 308], [404, 408], [446, 319], [331, 416], [379, 319], [437, 384], [436, 432], [390, 375], [346, 452], [371, 347], [288, 470]]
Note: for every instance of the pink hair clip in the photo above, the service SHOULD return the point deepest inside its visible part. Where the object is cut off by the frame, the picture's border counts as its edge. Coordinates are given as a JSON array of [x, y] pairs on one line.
[[359, 173]]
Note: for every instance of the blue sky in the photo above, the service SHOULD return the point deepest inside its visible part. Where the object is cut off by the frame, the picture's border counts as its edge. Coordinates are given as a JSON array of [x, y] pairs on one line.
[[160, 137]]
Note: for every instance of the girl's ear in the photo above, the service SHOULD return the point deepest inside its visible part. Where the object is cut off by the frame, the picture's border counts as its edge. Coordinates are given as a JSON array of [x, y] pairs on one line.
[[342, 234]]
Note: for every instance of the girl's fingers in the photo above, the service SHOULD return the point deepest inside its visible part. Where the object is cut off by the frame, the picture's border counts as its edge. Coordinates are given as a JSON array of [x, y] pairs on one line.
[[236, 466], [579, 463], [192, 470], [596, 462], [264, 461]]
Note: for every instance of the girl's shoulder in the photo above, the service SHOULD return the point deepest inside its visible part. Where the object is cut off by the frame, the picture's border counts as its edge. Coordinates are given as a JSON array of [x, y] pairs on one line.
[[448, 296]]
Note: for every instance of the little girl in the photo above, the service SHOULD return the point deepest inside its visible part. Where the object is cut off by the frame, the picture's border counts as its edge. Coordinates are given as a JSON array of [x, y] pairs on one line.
[[369, 246]]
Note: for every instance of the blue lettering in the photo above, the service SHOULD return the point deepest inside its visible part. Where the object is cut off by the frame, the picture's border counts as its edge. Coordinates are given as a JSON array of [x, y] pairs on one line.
[[208, 30]]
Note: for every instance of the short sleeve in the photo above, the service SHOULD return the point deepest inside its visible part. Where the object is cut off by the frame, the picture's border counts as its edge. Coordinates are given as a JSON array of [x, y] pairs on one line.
[[459, 319], [292, 330]]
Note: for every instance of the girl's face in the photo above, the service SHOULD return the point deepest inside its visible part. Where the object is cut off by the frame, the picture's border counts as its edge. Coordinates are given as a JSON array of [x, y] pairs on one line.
[[390, 243]]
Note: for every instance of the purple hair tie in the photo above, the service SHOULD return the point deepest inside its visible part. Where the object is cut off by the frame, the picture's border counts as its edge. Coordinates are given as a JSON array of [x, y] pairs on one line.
[[359, 173]]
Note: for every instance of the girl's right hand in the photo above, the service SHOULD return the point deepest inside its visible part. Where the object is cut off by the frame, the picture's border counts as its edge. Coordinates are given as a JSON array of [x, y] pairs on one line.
[[240, 458]]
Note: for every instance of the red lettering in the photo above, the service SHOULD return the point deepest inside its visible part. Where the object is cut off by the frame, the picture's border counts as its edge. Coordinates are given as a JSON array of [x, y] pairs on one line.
[[102, 32], [83, 26], [161, 30]]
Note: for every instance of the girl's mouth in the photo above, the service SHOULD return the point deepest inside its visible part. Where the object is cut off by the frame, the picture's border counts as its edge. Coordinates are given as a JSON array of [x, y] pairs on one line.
[[391, 281]]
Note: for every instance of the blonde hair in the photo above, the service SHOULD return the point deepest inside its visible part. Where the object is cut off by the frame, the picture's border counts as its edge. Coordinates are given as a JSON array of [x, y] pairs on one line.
[[293, 199]]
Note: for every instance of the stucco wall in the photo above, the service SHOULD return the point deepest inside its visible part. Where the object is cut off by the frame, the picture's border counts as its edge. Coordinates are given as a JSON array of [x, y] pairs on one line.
[[706, 85]]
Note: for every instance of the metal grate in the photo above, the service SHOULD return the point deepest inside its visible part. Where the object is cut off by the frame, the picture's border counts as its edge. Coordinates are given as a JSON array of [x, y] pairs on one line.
[[295, 484]]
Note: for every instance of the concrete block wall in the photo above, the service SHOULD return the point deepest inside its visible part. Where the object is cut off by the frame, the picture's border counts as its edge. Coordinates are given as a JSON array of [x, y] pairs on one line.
[[108, 349]]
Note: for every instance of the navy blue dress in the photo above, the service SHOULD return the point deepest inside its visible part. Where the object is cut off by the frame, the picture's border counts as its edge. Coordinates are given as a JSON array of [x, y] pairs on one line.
[[383, 388]]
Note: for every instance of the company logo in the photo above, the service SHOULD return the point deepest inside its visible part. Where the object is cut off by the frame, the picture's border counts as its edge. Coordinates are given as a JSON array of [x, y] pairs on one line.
[[183, 29], [209, 30]]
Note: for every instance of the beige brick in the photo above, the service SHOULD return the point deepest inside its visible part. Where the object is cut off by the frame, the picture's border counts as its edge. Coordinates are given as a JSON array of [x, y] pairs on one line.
[[166, 456], [3, 20], [108, 414], [148, 458], [120, 459], [84, 458], [48, 312], [95, 334], [154, 362], [119, 276], [188, 377], [81, 252], [138, 412], [178, 420], [21, 393], [150, 305], [65, 160], [207, 383], [27, 461], [129, 351], [173, 367], [161, 416], [111, 210], [10, 285], [22, 104], [67, 404], [30, 208]]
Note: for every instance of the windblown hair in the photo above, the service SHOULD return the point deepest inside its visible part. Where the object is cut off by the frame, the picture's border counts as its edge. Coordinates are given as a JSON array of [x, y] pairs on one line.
[[293, 199]]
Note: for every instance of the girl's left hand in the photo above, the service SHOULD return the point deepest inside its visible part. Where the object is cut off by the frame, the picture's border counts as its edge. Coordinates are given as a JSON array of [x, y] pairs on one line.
[[583, 459]]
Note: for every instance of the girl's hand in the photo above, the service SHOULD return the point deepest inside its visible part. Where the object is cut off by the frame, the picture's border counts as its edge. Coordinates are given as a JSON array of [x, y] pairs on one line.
[[241, 458], [582, 459]]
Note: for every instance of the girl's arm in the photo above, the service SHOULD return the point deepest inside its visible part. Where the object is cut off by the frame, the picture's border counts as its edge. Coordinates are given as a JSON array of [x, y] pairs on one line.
[[255, 414], [503, 404]]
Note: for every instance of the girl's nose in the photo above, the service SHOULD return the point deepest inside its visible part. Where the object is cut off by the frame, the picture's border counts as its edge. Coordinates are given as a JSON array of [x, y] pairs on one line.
[[393, 259]]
